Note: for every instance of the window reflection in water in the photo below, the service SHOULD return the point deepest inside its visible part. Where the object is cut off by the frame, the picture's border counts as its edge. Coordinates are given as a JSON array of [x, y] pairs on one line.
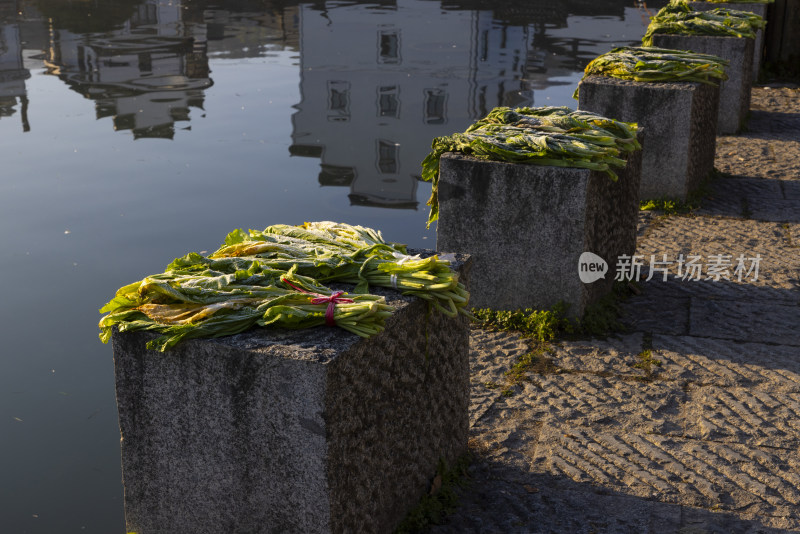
[[389, 47], [388, 157], [389, 101], [435, 100], [338, 100]]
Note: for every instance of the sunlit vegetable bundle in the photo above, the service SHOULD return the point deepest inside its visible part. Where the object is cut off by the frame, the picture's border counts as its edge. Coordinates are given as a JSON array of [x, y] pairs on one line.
[[678, 18], [554, 136], [335, 252], [212, 304], [276, 277], [652, 64]]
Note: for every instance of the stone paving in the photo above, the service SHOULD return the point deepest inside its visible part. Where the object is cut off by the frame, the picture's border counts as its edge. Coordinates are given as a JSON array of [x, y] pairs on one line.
[[704, 435]]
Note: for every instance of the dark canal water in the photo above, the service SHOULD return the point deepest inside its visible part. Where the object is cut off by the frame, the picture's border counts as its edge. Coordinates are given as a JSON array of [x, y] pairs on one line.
[[134, 131]]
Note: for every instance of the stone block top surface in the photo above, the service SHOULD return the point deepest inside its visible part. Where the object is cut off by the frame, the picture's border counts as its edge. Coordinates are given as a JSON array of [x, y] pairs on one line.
[[724, 46], [657, 86]]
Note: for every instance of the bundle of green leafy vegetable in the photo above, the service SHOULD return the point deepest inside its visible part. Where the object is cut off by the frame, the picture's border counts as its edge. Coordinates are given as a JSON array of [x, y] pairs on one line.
[[652, 64], [276, 277], [677, 17], [555, 136], [335, 252]]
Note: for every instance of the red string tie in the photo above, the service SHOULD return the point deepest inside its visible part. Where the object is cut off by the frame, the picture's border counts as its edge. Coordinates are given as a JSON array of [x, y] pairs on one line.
[[332, 301]]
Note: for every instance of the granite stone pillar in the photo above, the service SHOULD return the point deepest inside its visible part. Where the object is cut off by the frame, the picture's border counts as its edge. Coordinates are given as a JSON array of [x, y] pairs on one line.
[[758, 9], [272, 430], [681, 124], [526, 227], [734, 93]]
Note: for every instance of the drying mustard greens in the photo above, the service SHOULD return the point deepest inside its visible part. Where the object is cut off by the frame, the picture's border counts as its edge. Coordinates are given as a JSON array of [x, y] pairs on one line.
[[677, 17], [334, 252], [555, 136], [277, 277], [653, 64]]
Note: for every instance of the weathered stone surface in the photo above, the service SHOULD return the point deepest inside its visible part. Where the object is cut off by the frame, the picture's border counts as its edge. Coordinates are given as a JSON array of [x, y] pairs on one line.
[[580, 399], [745, 321], [727, 363], [725, 477], [617, 355], [753, 198], [769, 146], [671, 317], [747, 415], [534, 505], [291, 431], [525, 226], [680, 121], [734, 93], [710, 237], [595, 432], [487, 375], [758, 9], [747, 155]]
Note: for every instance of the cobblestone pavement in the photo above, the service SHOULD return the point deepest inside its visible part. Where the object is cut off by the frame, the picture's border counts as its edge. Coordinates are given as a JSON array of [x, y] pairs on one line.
[[702, 436]]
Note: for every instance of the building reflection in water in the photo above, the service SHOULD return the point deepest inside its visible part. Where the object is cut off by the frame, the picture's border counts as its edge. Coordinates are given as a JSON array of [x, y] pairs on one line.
[[378, 80], [146, 73], [377, 85], [250, 28], [13, 73]]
